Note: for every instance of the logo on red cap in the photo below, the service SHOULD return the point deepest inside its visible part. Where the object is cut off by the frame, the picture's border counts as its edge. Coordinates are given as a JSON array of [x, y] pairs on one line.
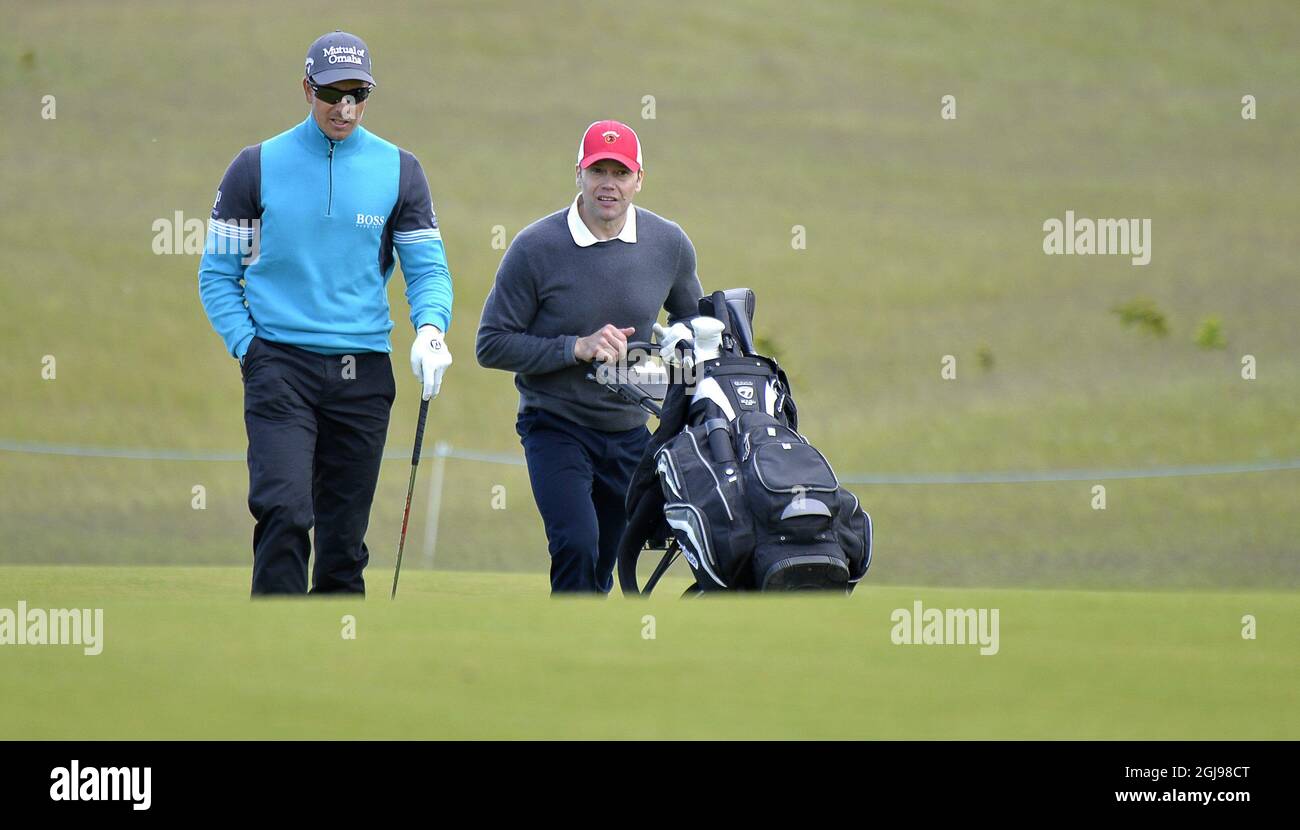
[[610, 140]]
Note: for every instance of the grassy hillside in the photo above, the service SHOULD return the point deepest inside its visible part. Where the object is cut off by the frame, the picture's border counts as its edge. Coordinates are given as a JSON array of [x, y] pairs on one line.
[[924, 239]]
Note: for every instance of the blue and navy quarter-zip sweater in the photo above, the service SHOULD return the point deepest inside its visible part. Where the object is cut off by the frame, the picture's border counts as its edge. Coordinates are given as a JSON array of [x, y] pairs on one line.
[[325, 220]]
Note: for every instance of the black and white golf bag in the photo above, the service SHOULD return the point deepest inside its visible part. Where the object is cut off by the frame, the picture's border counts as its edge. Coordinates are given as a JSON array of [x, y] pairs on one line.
[[727, 476]]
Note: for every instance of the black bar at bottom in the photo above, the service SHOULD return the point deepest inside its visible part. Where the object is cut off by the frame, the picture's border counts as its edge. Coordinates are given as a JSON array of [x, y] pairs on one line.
[[338, 779]]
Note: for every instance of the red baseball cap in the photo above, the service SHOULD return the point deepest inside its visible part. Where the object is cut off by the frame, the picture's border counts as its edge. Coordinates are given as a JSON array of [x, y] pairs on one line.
[[610, 140]]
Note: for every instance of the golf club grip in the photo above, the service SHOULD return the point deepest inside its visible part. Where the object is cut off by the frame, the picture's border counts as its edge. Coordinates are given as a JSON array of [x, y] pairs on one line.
[[419, 432]]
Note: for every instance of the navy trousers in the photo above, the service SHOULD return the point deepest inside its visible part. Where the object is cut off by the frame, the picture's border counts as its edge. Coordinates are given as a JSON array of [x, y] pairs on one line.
[[316, 429], [580, 477]]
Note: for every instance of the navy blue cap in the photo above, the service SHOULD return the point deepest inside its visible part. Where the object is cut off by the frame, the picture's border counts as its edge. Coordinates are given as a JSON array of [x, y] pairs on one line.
[[338, 56]]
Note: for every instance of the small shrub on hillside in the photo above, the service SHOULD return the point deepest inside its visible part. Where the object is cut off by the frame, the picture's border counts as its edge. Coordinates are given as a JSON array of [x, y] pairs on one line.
[[1143, 314], [1210, 334]]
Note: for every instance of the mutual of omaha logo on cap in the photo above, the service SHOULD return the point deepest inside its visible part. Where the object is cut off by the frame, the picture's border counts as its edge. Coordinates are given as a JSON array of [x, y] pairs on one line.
[[610, 140], [338, 56]]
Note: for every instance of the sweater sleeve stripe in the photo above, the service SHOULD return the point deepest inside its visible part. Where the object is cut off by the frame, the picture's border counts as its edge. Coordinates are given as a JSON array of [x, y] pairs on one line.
[[418, 242]]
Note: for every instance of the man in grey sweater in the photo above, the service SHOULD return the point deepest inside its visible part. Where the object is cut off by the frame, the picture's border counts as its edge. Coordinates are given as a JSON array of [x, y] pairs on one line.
[[572, 289]]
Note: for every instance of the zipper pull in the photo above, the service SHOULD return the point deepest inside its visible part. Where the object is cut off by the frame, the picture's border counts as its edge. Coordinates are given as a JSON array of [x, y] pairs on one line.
[[329, 202]]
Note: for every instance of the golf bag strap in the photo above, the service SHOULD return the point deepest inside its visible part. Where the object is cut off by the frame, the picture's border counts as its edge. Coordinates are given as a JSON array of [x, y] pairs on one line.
[[672, 420], [639, 525], [742, 366]]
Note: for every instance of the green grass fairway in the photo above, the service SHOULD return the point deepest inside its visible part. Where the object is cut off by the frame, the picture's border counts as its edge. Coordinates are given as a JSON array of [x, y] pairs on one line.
[[472, 655]]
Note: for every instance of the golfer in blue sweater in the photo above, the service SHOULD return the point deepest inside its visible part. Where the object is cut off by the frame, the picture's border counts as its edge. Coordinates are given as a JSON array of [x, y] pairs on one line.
[[302, 242]]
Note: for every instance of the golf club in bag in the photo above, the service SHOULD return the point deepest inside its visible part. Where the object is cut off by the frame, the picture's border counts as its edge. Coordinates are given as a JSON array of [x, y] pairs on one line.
[[727, 480]]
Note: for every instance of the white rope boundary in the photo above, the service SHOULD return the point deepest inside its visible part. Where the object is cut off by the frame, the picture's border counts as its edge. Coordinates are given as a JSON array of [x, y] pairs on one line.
[[441, 451], [444, 450]]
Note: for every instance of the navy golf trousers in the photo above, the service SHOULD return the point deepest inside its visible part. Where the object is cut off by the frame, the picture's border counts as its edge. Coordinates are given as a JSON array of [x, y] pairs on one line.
[[316, 428], [580, 478]]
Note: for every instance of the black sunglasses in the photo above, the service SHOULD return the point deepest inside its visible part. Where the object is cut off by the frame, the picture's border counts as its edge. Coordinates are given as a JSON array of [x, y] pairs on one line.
[[332, 94]]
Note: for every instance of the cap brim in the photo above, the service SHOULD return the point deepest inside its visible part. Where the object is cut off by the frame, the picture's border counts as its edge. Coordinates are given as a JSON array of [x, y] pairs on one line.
[[329, 76], [630, 164]]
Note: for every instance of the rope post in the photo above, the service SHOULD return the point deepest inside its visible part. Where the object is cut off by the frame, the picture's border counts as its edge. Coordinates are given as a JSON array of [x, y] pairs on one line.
[[434, 508]]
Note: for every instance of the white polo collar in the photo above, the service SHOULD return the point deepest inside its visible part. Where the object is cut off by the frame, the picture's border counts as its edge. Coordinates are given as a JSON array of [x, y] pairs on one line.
[[583, 236]]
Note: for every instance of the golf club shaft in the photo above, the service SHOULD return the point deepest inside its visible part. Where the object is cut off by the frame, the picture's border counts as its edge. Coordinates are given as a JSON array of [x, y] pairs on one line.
[[633, 395], [410, 489]]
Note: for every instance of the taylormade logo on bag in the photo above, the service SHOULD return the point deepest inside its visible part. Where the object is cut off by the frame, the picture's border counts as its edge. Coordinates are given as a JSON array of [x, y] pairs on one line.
[[745, 391], [54, 627], [75, 783]]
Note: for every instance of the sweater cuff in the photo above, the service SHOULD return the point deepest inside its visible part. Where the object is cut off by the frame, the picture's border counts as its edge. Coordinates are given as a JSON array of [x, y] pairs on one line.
[[570, 359], [241, 348], [433, 318]]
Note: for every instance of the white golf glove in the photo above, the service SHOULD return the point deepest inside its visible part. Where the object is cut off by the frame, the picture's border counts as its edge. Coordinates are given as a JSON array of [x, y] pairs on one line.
[[430, 357], [669, 338]]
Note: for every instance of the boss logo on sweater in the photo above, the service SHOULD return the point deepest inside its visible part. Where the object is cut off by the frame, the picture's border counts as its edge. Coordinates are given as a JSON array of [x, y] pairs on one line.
[[369, 220]]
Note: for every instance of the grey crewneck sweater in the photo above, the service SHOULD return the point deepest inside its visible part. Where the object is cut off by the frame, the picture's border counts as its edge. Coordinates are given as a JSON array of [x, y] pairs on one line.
[[549, 292]]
